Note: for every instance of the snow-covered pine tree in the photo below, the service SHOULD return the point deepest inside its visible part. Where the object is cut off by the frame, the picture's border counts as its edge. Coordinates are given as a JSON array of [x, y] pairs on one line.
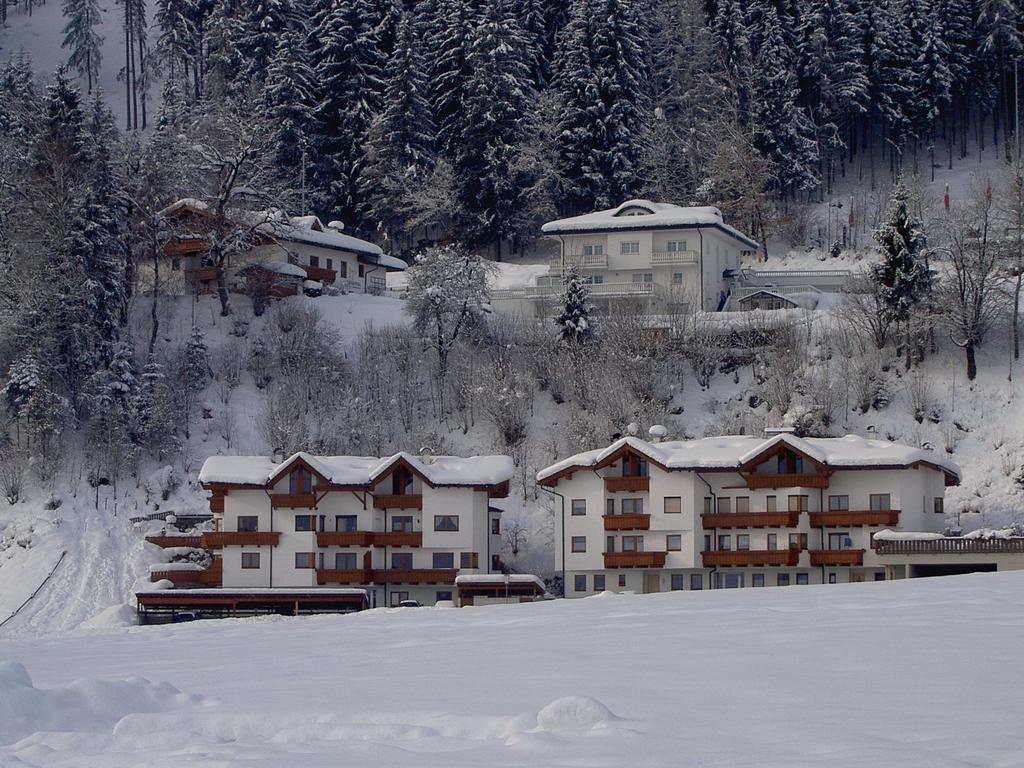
[[289, 94], [783, 133], [175, 45], [902, 279], [400, 149], [601, 79], [81, 37], [195, 361], [732, 41], [498, 98], [447, 36], [348, 72], [152, 416], [575, 325], [263, 29], [933, 78]]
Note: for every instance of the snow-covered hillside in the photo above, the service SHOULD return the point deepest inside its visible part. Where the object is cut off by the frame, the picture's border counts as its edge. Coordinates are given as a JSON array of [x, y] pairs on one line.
[[913, 673]]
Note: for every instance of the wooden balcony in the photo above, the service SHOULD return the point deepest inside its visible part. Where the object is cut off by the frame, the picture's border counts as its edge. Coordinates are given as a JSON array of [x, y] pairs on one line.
[[627, 522], [751, 557], [184, 246], [398, 501], [398, 539], [166, 541], [414, 575], [634, 559], [201, 274], [848, 519], [613, 484], [805, 480], [343, 576], [293, 500], [210, 577], [217, 539], [344, 538], [750, 519], [847, 557], [327, 276]]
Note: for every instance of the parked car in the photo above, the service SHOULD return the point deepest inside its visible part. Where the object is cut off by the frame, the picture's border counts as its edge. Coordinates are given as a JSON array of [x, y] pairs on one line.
[[409, 604]]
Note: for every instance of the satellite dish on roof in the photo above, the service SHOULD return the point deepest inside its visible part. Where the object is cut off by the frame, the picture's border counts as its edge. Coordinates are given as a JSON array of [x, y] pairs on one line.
[[336, 225]]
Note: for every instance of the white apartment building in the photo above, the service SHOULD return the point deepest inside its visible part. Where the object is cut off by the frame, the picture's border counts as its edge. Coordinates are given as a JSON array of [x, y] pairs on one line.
[[401, 528], [669, 257], [738, 511]]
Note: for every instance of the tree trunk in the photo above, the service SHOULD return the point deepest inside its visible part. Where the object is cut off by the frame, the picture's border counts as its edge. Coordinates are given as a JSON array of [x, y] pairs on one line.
[[972, 364], [222, 290], [156, 292], [1016, 313]]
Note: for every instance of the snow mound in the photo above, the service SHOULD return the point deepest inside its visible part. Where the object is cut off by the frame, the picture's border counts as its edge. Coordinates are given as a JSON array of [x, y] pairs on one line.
[[88, 705], [122, 615], [574, 714]]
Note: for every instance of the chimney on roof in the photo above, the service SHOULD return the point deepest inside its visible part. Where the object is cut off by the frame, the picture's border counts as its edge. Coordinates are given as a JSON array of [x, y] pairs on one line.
[[278, 455], [632, 429], [773, 431], [336, 225], [657, 433]]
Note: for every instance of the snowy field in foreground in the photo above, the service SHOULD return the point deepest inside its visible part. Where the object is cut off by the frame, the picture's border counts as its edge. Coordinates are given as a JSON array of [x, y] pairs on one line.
[[901, 674]]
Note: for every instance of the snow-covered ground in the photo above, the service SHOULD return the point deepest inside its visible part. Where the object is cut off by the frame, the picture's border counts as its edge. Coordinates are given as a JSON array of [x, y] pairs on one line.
[[915, 673]]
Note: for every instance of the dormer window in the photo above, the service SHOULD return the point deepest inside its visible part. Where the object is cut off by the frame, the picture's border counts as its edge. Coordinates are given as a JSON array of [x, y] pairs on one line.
[[300, 481], [401, 482], [634, 466], [635, 210]]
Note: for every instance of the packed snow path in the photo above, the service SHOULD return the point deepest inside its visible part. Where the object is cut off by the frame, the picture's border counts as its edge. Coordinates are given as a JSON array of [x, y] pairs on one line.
[[903, 674], [104, 557]]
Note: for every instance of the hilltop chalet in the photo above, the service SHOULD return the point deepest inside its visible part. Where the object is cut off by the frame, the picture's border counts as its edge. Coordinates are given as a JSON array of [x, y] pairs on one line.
[[667, 257], [283, 251]]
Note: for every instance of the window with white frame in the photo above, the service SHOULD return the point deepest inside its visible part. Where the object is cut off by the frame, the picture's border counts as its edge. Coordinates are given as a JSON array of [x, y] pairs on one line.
[[675, 246], [579, 543], [629, 247], [594, 249]]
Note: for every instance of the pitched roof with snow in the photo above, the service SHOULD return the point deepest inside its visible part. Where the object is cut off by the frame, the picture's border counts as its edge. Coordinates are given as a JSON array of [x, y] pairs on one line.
[[644, 214], [359, 470], [733, 452], [297, 229]]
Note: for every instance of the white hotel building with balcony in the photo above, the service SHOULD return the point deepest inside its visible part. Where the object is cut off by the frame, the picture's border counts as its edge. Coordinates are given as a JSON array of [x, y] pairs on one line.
[[663, 255], [738, 511], [399, 528]]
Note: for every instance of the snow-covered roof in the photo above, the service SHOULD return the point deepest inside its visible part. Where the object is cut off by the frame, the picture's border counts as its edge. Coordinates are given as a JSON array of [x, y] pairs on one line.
[[732, 452], [767, 292], [300, 229], [645, 214], [499, 578], [283, 268], [359, 470]]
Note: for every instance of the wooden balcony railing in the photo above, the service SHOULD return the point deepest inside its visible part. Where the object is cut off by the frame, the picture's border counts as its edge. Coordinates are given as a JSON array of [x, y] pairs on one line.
[[343, 576], [398, 501], [414, 575], [848, 519], [344, 538], [165, 541], [398, 539], [634, 559], [217, 539], [837, 557], [806, 480], [627, 522], [750, 519], [293, 500], [210, 577], [950, 546], [613, 484], [751, 557], [327, 276], [201, 274], [181, 246]]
